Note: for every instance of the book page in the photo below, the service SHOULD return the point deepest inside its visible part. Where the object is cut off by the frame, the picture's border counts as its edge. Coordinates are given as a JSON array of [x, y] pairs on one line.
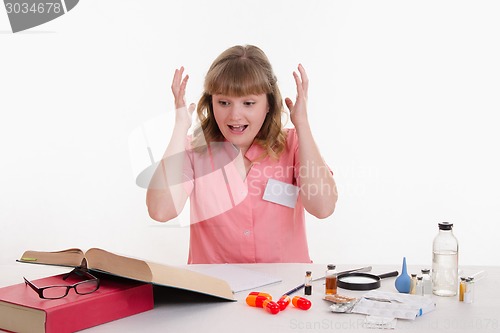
[[69, 257], [18, 318], [108, 262], [190, 280]]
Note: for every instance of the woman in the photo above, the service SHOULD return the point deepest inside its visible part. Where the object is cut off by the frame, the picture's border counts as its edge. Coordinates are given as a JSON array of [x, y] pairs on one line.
[[248, 178]]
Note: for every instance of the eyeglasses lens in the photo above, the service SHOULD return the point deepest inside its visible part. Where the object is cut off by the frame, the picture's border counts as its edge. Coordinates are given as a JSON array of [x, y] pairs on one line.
[[55, 292], [87, 287]]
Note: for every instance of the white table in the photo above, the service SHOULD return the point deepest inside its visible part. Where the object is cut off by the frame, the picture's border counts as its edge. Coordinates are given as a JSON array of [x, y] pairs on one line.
[[185, 312]]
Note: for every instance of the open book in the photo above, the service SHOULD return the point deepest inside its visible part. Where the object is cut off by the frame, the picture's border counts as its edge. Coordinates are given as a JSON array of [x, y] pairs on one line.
[[136, 269]]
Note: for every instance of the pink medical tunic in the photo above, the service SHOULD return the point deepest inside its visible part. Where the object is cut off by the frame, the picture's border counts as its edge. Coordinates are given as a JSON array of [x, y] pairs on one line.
[[230, 222]]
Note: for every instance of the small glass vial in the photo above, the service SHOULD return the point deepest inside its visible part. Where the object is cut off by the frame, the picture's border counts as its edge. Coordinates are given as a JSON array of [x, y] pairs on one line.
[[419, 289], [331, 280], [469, 290], [426, 275], [461, 290], [413, 284], [308, 284]]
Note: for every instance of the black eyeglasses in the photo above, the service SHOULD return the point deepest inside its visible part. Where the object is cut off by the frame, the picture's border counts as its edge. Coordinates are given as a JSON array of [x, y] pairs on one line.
[[60, 291]]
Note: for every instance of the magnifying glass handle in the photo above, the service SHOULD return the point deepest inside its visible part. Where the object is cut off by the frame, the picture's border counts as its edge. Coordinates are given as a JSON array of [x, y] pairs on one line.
[[385, 275]]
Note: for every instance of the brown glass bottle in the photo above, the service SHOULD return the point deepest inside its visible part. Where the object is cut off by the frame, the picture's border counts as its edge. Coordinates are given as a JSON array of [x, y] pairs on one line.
[[331, 280]]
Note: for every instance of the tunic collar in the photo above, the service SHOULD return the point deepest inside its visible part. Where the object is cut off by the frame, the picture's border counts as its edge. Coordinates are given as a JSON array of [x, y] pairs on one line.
[[254, 152]]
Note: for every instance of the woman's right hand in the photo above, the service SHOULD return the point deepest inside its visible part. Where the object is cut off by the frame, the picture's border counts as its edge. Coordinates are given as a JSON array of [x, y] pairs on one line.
[[183, 115]]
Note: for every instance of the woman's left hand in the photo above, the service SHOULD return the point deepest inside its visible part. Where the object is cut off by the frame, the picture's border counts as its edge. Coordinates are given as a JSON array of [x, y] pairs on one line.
[[298, 111]]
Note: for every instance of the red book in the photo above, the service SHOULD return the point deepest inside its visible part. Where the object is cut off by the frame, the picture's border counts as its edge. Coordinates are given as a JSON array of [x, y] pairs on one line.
[[22, 310]]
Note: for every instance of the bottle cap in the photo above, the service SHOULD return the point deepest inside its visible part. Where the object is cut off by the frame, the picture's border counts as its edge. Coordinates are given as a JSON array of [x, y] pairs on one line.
[[331, 266], [308, 273], [445, 226], [426, 271]]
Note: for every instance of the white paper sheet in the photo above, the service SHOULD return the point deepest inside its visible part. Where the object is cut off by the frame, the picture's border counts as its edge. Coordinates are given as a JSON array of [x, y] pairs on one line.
[[239, 278]]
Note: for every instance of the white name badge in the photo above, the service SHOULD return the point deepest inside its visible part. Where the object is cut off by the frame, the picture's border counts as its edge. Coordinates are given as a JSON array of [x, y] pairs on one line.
[[281, 193]]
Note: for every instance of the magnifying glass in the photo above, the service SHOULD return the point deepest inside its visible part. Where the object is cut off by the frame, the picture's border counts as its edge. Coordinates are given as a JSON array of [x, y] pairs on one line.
[[362, 281]]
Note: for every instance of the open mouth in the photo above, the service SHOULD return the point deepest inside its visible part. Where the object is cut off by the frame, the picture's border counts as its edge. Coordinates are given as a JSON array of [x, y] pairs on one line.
[[237, 128]]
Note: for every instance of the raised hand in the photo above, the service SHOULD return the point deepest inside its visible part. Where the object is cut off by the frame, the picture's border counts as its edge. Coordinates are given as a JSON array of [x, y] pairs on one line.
[[298, 110], [179, 83]]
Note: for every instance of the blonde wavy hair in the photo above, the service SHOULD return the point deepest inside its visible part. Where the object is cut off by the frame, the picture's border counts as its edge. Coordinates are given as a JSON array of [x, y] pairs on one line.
[[242, 71]]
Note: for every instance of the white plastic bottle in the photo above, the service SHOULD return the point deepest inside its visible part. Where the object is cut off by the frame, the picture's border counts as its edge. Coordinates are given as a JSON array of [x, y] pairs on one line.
[[445, 261]]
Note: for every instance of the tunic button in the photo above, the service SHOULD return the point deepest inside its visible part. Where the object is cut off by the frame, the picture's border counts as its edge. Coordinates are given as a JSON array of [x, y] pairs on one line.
[[246, 232]]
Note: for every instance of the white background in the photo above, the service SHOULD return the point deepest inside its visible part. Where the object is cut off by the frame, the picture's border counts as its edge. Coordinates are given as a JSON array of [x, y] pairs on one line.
[[403, 104]]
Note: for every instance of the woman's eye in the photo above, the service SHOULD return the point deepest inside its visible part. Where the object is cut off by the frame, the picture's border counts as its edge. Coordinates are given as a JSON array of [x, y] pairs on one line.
[[224, 103], [249, 103]]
